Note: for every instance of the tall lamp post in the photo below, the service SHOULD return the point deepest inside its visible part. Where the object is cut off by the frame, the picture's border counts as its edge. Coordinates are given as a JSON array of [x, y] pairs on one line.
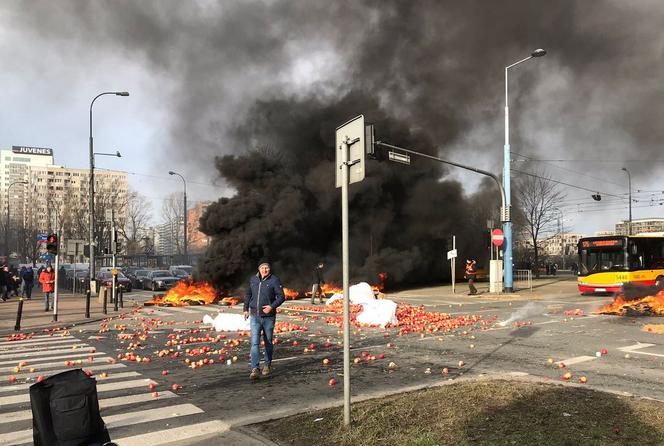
[[506, 217], [629, 185], [91, 205], [185, 213], [7, 226]]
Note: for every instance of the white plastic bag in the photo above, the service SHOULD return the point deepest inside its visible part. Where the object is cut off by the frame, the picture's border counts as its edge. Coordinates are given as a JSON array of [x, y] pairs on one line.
[[378, 312], [227, 322]]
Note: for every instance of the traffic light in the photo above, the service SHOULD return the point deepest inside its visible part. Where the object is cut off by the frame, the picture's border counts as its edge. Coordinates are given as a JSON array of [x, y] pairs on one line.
[[52, 244]]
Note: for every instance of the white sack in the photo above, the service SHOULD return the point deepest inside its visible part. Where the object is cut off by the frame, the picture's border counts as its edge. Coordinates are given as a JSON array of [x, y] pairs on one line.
[[362, 292], [378, 312], [227, 322]]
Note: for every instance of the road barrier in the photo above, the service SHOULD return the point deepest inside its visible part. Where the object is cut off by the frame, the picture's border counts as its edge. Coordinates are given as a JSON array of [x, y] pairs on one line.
[[523, 279]]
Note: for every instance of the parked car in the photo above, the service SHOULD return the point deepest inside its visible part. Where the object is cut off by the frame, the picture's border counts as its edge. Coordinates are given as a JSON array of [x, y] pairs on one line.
[[159, 280], [105, 278], [137, 277], [180, 274], [186, 268]]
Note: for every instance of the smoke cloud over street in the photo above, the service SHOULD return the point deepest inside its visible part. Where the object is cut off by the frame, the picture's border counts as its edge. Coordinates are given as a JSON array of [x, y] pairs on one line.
[[259, 87]]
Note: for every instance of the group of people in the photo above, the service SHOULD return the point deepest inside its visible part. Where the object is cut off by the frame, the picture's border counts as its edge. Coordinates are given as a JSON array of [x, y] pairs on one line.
[[15, 282]]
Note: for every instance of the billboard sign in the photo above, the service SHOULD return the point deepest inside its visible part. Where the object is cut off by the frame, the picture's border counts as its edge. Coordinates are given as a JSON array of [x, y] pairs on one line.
[[27, 150]]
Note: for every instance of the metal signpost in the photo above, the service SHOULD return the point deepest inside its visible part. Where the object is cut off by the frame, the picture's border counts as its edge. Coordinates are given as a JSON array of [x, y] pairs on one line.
[[55, 288], [74, 249], [451, 256], [350, 160]]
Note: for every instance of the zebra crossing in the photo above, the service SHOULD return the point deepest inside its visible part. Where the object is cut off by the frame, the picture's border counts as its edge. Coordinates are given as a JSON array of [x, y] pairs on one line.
[[133, 415]]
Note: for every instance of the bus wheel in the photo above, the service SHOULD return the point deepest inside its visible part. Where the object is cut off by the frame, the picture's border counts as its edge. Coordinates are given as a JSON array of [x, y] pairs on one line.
[[659, 283]]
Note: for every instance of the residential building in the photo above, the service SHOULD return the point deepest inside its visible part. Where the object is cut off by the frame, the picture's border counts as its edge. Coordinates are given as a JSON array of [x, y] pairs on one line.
[[641, 225], [50, 197], [561, 244], [170, 240], [197, 242], [604, 233]]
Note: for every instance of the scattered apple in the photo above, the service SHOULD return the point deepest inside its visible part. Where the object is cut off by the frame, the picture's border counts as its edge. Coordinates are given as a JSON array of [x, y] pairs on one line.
[[40, 378], [549, 361], [567, 376], [164, 372], [561, 365], [604, 352], [332, 382], [461, 363], [12, 379], [392, 365], [583, 379], [326, 361], [152, 386], [381, 356], [175, 387], [155, 395], [445, 371]]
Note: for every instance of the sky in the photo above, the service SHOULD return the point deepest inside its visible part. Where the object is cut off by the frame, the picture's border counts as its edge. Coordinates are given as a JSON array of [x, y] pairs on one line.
[[194, 69]]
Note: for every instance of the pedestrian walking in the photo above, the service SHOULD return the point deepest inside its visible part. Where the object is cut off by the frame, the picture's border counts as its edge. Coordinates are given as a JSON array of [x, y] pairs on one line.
[[47, 279], [264, 295], [471, 272], [316, 290], [4, 278], [28, 277]]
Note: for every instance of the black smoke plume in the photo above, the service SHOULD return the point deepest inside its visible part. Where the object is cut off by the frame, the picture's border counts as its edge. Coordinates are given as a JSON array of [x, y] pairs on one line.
[[261, 86]]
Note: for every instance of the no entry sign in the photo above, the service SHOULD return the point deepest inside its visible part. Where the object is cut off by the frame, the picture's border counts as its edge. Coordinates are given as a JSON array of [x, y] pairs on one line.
[[497, 237]]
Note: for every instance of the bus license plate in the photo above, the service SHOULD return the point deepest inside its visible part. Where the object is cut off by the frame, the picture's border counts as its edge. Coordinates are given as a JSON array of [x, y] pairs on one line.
[[600, 290]]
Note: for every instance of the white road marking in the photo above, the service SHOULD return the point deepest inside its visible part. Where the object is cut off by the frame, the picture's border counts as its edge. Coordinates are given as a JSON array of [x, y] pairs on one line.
[[110, 377], [639, 346], [10, 417], [54, 365], [577, 360], [115, 421], [20, 355], [109, 387]]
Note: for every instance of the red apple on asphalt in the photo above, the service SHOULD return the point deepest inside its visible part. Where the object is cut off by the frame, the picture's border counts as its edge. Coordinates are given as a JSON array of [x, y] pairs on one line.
[[164, 372], [567, 376], [461, 363], [151, 386], [326, 361], [583, 380], [175, 387], [332, 382]]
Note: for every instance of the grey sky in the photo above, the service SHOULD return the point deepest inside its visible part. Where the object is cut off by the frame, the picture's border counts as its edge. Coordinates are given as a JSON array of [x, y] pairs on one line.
[[194, 68]]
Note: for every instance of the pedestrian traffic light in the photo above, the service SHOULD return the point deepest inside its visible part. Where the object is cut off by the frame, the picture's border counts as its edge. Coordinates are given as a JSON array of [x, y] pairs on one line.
[[52, 244]]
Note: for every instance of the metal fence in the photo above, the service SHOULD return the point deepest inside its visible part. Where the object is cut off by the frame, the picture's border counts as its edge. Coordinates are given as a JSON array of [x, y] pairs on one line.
[[523, 279]]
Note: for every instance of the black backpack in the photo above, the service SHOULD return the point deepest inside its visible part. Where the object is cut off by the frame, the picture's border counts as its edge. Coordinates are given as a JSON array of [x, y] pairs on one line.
[[65, 411]]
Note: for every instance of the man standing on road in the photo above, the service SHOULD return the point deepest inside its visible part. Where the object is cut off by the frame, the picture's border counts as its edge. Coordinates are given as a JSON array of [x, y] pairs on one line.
[[47, 279], [264, 295], [318, 281], [471, 272]]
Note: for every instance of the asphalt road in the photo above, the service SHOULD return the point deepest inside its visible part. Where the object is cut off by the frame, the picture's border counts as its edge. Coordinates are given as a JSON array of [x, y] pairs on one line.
[[218, 395]]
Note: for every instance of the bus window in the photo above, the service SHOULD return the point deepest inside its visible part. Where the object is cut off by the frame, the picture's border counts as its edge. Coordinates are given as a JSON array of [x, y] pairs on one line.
[[594, 261]]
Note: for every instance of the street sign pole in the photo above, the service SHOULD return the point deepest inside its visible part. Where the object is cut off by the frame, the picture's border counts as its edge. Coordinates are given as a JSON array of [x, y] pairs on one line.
[[114, 276], [453, 265], [55, 288], [345, 261], [350, 141]]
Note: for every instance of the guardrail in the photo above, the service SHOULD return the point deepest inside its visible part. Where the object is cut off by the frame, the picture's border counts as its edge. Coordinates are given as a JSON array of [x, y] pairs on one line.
[[523, 279]]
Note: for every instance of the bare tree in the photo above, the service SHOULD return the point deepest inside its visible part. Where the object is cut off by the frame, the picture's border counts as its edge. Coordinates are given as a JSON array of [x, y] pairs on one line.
[[172, 212], [138, 218], [538, 202]]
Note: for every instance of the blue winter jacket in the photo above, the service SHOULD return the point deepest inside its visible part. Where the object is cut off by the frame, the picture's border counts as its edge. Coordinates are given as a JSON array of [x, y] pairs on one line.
[[267, 291]]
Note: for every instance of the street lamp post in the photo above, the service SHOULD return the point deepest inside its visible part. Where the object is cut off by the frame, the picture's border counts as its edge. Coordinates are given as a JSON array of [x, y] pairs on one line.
[[7, 225], [629, 185], [506, 217], [91, 204], [185, 214]]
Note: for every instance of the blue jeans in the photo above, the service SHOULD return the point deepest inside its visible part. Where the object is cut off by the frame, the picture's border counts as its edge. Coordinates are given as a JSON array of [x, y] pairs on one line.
[[265, 326], [46, 297]]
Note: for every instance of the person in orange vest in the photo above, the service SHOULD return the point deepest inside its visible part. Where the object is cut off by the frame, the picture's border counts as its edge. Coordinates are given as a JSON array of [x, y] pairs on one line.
[[47, 279], [471, 272]]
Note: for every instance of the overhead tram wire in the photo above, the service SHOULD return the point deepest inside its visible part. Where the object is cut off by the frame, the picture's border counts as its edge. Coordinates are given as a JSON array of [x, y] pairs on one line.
[[566, 169], [158, 177], [595, 160], [567, 184]]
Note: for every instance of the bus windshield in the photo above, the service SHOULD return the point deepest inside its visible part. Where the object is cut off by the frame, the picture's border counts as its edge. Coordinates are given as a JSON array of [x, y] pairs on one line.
[[598, 260]]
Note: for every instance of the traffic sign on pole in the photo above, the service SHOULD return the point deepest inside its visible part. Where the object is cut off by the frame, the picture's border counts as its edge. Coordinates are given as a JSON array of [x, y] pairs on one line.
[[353, 134], [497, 237]]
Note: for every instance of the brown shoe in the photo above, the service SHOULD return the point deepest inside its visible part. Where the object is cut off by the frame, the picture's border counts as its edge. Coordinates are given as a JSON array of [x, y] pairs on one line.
[[266, 370], [254, 374]]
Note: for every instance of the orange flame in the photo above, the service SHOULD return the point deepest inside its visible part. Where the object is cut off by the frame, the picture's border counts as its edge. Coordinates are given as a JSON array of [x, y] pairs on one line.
[[649, 305], [185, 294], [291, 294]]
